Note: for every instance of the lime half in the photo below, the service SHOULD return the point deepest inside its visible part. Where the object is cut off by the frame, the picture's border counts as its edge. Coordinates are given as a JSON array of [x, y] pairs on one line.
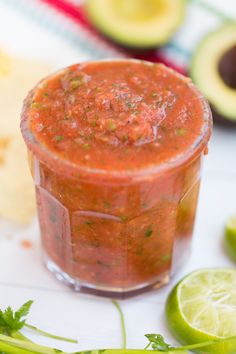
[[202, 307], [230, 238]]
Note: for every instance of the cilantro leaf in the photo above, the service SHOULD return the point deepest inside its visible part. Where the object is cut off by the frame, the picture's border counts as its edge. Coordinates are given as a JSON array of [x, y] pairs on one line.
[[10, 321], [24, 309], [158, 342]]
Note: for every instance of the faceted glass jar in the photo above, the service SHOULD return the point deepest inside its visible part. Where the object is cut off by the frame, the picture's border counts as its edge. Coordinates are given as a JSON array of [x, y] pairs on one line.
[[117, 233]]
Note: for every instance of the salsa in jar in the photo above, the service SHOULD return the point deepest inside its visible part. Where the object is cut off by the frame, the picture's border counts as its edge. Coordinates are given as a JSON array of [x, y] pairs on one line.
[[115, 151]]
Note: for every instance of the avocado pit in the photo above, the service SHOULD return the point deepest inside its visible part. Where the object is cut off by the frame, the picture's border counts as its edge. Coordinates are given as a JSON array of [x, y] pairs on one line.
[[227, 67], [227, 71]]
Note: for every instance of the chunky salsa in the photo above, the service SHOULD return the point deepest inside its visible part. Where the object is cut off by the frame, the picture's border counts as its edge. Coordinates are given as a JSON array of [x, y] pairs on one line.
[[116, 149], [117, 115]]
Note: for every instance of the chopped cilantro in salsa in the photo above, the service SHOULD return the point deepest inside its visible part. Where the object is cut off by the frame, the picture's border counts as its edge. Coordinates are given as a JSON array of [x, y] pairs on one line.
[[116, 149]]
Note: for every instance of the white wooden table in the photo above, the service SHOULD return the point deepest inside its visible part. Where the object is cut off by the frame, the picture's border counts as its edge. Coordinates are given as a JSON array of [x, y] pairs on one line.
[[94, 321]]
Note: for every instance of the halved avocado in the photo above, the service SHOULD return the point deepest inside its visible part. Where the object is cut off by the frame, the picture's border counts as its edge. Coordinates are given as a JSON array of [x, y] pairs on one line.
[[213, 70], [137, 23]]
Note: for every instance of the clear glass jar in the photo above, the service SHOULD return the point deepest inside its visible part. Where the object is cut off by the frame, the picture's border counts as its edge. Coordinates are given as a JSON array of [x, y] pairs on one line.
[[115, 233]]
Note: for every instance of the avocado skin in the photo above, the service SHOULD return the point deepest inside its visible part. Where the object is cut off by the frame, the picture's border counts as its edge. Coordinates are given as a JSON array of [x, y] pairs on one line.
[[222, 114], [220, 119]]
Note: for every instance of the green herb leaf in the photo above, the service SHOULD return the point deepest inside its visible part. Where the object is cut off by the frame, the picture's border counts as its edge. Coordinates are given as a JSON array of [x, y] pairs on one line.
[[149, 232], [180, 131], [89, 223], [36, 105], [123, 218], [107, 205], [101, 263], [10, 321], [130, 105], [158, 342], [75, 83], [93, 123], [111, 126], [165, 257], [23, 310], [59, 138], [125, 138], [87, 146]]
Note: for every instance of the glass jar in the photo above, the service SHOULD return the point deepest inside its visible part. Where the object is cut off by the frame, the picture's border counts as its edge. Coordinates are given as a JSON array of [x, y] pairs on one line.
[[115, 233]]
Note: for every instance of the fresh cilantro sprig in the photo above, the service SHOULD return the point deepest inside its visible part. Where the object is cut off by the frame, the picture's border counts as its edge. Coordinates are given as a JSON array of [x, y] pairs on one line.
[[12, 322], [157, 342], [12, 341]]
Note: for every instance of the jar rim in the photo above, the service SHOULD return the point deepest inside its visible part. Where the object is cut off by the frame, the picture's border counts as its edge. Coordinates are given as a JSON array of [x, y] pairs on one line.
[[67, 167]]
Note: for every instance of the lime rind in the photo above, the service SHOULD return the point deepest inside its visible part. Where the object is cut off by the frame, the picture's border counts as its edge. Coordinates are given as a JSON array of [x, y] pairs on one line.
[[185, 304], [230, 238]]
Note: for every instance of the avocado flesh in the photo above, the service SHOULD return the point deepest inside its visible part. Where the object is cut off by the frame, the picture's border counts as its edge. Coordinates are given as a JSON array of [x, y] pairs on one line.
[[213, 70], [137, 23]]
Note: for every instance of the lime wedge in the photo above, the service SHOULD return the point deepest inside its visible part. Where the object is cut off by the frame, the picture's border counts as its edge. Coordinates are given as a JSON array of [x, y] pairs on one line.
[[202, 307], [230, 238]]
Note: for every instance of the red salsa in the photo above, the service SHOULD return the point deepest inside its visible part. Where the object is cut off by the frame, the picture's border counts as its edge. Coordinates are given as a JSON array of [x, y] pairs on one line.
[[116, 148]]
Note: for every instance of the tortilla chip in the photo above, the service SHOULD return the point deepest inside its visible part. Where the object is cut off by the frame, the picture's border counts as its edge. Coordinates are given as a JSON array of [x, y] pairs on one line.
[[21, 77], [17, 77], [4, 142], [5, 64], [17, 200]]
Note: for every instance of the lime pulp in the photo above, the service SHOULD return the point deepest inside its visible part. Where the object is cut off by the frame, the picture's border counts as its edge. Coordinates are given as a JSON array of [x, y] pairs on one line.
[[202, 307]]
